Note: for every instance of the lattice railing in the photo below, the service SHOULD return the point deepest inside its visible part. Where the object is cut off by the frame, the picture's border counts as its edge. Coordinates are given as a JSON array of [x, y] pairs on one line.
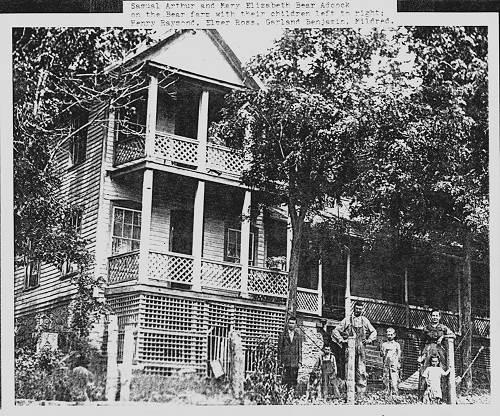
[[173, 148], [171, 267], [220, 275], [481, 327], [128, 148], [267, 282], [384, 312], [307, 300], [224, 159], [390, 313], [123, 267]]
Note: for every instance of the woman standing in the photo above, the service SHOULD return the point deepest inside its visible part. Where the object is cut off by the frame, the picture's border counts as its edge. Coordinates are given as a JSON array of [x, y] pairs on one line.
[[433, 345]]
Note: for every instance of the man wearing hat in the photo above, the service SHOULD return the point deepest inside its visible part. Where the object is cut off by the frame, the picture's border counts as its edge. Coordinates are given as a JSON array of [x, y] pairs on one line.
[[359, 326]]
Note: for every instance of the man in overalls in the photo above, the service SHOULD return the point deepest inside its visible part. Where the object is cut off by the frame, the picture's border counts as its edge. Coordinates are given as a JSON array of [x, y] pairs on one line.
[[359, 326]]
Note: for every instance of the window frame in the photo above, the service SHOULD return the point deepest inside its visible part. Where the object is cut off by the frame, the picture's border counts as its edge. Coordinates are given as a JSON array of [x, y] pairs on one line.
[[32, 264], [67, 267], [237, 259], [130, 239], [78, 142]]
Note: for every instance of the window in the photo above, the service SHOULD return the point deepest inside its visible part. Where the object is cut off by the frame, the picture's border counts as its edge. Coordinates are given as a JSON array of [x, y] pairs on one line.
[[233, 246], [78, 143], [126, 230], [68, 267], [32, 274]]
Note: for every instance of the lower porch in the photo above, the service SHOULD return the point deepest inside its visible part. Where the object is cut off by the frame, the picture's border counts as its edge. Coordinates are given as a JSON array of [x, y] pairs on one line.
[[174, 270]]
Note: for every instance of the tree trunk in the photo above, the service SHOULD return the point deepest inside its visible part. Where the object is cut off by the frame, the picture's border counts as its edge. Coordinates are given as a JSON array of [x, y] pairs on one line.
[[467, 311], [293, 272]]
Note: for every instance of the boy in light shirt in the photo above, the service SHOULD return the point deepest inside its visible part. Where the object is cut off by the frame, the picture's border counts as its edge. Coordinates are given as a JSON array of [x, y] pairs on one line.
[[391, 353]]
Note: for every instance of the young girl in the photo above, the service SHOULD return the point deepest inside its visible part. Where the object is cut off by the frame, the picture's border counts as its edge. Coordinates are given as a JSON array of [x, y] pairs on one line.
[[432, 375]]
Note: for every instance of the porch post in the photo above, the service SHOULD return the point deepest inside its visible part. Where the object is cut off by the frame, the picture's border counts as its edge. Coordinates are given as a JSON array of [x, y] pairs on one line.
[[202, 131], [147, 204], [451, 367], [407, 305], [320, 286], [149, 145], [245, 242], [289, 238], [199, 202], [347, 304]]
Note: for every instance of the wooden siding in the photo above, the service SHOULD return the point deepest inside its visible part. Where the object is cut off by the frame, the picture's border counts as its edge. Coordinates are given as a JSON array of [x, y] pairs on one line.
[[80, 185]]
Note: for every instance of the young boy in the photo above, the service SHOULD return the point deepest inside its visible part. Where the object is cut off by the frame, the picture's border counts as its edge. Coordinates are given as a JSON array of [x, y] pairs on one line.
[[432, 375], [391, 353], [326, 370]]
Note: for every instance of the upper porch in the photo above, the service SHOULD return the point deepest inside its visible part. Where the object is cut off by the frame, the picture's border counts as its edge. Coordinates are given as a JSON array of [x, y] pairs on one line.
[[170, 126]]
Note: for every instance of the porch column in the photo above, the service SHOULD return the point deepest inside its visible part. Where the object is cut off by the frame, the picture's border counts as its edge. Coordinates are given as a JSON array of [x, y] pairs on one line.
[[451, 366], [289, 238], [202, 131], [147, 204], [407, 305], [320, 286], [347, 304], [199, 202], [149, 145], [245, 242]]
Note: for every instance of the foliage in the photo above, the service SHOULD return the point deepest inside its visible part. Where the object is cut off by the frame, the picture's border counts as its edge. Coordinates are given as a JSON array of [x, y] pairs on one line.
[[51, 375], [58, 74], [263, 385], [302, 128], [423, 168]]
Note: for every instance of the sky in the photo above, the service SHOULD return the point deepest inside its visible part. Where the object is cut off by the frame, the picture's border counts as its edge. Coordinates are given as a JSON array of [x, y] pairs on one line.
[[247, 43]]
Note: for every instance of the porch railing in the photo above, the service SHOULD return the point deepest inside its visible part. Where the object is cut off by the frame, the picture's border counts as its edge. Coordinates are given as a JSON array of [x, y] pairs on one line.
[[308, 301], [417, 317], [179, 268], [123, 267], [178, 149], [170, 267], [267, 282], [171, 148], [220, 275], [225, 159], [129, 148]]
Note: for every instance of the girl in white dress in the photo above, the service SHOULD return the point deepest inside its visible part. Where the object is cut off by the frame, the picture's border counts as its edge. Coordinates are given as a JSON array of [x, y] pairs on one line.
[[432, 374]]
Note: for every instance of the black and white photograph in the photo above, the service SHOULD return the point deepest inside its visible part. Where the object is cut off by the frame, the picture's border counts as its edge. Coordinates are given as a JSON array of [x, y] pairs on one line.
[[252, 217]]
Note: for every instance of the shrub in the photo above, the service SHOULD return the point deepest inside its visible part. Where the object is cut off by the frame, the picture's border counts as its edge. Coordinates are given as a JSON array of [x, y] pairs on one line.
[[51, 375], [263, 385]]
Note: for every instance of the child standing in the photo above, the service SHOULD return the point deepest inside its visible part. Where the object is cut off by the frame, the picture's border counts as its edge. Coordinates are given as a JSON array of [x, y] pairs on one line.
[[326, 369], [391, 353], [432, 375]]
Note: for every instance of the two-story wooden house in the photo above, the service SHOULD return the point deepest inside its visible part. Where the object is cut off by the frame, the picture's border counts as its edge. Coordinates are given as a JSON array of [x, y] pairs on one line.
[[166, 217]]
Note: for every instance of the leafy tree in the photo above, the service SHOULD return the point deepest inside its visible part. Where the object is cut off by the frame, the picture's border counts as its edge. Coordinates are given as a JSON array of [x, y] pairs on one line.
[[302, 127], [423, 168], [59, 72]]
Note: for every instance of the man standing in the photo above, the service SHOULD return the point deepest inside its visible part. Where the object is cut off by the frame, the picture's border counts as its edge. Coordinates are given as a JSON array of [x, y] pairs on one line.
[[290, 352], [365, 333]]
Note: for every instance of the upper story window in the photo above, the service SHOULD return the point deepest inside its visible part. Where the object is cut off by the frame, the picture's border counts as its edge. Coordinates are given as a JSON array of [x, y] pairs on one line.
[[232, 251], [68, 267], [126, 230], [78, 143], [32, 274]]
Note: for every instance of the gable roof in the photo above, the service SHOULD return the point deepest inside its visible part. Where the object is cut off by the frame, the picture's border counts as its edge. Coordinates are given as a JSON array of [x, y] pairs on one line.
[[202, 53]]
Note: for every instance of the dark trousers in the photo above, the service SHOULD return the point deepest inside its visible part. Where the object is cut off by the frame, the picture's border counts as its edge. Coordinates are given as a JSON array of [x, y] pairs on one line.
[[290, 375]]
